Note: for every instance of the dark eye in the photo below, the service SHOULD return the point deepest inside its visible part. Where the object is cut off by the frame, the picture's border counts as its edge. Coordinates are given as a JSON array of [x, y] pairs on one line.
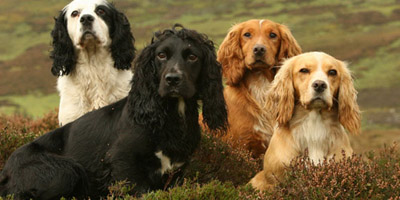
[[74, 13], [304, 70], [332, 72], [100, 11], [162, 56], [192, 57], [272, 35], [247, 34]]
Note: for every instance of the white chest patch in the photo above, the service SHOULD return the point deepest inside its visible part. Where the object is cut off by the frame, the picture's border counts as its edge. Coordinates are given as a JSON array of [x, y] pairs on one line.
[[181, 107], [313, 134], [166, 165]]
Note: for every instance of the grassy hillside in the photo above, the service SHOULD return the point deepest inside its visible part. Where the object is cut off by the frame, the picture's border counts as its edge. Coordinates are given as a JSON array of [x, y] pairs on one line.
[[364, 33]]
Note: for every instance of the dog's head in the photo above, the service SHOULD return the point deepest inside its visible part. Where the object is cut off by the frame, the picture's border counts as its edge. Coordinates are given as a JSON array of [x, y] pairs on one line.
[[315, 80], [255, 44], [88, 25], [179, 63]]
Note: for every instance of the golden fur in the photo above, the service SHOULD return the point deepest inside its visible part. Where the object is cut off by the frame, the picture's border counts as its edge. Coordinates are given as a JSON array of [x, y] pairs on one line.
[[307, 119], [248, 77]]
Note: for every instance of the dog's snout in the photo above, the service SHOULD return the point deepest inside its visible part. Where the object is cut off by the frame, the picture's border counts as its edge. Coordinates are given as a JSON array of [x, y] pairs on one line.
[[173, 79], [259, 50], [87, 19], [319, 86]]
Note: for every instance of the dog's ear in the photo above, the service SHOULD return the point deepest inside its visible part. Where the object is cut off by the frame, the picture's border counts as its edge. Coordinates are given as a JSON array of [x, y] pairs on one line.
[[289, 46], [280, 98], [122, 45], [63, 53], [231, 57], [349, 112], [211, 92], [144, 100]]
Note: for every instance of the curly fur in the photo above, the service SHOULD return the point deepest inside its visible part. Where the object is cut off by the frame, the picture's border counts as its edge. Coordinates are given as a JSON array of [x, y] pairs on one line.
[[248, 78], [96, 74], [309, 119], [141, 138]]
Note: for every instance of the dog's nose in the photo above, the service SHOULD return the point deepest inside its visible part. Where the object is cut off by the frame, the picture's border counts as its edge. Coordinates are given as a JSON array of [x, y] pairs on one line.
[[259, 50], [319, 86], [173, 79], [87, 19]]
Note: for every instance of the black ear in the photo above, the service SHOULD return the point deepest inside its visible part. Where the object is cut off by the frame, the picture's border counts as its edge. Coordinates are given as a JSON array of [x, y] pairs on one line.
[[63, 53], [145, 104], [122, 45], [211, 91]]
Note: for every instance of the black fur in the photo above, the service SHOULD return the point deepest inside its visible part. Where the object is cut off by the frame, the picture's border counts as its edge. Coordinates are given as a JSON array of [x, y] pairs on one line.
[[119, 141], [122, 45]]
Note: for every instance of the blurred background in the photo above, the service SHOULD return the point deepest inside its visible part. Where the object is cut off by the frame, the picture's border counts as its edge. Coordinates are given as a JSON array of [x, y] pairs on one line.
[[365, 33]]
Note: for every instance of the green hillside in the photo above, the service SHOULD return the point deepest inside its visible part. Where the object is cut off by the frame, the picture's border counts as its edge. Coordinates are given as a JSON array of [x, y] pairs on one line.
[[364, 33]]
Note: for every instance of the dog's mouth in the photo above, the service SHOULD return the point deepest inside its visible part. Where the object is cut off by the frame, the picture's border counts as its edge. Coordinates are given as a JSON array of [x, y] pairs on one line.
[[317, 102], [260, 63], [88, 37]]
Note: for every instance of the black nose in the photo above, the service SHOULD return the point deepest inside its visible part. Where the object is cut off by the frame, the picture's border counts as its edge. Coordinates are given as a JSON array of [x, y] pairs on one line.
[[259, 50], [319, 86], [173, 79], [87, 19]]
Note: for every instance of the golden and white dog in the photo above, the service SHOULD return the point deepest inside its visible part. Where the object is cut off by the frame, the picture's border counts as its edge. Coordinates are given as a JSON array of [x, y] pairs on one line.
[[313, 101], [249, 55]]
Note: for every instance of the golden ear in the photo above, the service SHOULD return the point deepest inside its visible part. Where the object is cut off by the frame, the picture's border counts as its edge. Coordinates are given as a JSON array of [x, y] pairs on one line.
[[280, 97], [349, 112], [231, 57], [289, 46]]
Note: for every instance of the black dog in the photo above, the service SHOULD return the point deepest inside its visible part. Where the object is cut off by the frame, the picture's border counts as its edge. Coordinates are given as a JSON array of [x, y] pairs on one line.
[[140, 138]]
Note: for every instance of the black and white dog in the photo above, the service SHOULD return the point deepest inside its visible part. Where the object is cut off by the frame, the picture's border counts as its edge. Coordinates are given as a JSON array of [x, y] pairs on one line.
[[141, 138], [92, 52]]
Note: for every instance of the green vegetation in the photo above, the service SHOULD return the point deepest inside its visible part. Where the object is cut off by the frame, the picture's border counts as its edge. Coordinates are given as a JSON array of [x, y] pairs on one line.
[[218, 171], [34, 104]]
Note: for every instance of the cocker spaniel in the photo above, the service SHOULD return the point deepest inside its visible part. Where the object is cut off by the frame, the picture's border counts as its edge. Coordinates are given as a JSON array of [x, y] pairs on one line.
[[144, 138], [313, 101], [92, 53], [250, 55]]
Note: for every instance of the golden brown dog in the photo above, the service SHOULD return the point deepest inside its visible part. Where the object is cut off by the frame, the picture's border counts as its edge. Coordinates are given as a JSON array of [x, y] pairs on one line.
[[313, 101], [249, 56]]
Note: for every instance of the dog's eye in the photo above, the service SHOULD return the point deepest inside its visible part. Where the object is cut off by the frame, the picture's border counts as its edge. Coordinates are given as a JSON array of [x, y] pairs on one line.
[[100, 11], [192, 57], [162, 56], [74, 13], [272, 35], [304, 70], [332, 72], [247, 34]]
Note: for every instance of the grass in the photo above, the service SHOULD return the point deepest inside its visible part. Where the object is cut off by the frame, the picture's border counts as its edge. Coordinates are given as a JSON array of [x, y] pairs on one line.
[[34, 104]]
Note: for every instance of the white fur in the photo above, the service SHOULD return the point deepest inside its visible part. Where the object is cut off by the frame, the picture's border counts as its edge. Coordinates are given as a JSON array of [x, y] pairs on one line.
[[258, 91], [75, 27], [313, 134], [181, 107], [94, 82], [166, 165]]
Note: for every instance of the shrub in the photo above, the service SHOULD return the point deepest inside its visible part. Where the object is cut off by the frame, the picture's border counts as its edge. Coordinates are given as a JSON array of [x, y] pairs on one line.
[[357, 177], [219, 171], [18, 130], [215, 159]]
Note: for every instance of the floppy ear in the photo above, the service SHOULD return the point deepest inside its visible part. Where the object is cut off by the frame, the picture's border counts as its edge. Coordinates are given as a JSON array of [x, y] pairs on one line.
[[349, 112], [289, 46], [63, 53], [144, 102], [231, 57], [211, 92], [122, 45], [280, 97]]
